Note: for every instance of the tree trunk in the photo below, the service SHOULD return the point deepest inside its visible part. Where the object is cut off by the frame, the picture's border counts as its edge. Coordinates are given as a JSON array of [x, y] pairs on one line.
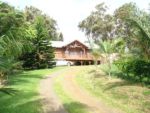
[[109, 67]]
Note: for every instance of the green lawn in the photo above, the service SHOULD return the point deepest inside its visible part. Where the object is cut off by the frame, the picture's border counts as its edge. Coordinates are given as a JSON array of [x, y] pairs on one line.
[[127, 96], [26, 100], [71, 105]]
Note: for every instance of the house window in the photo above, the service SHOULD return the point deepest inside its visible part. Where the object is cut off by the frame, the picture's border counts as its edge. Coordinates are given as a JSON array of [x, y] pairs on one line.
[[81, 53], [66, 52], [73, 53]]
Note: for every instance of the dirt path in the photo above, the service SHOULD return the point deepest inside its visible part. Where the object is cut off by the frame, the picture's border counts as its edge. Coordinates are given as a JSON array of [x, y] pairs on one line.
[[51, 103], [82, 96]]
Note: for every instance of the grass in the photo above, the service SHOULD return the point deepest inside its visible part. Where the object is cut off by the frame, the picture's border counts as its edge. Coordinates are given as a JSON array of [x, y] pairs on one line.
[[69, 103], [26, 99], [128, 96]]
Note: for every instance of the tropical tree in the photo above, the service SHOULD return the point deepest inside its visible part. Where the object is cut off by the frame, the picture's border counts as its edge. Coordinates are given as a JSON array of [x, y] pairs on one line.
[[110, 50], [99, 28], [133, 25], [140, 39], [42, 53], [14, 34]]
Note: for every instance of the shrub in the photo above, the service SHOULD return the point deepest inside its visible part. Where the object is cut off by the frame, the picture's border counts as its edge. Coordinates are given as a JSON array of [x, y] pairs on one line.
[[137, 69]]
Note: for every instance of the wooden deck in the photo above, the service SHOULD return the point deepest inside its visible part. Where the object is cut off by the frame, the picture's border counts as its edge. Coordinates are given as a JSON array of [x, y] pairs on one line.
[[74, 57]]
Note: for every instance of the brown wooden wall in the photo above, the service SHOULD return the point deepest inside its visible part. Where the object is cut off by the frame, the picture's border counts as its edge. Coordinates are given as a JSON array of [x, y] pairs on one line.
[[73, 54]]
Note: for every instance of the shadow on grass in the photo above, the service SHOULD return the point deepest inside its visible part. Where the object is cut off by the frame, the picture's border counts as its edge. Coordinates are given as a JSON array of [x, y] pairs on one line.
[[75, 107], [113, 84], [22, 78], [8, 91], [22, 102], [118, 84], [132, 79], [96, 73], [25, 97]]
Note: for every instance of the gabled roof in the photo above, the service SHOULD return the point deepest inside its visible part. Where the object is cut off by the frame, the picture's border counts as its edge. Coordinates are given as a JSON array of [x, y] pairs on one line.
[[60, 44], [78, 42]]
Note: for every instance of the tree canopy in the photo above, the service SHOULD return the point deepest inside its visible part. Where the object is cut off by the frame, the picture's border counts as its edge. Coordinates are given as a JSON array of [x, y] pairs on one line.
[[28, 33], [128, 24]]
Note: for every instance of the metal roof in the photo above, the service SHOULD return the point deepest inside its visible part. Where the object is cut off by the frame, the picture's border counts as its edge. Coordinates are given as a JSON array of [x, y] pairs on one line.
[[59, 44]]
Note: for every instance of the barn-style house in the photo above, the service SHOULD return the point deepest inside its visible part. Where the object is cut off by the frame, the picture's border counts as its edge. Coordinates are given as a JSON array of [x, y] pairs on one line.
[[75, 51]]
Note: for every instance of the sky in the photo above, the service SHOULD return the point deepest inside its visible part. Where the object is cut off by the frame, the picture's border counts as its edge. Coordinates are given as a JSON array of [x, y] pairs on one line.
[[68, 13]]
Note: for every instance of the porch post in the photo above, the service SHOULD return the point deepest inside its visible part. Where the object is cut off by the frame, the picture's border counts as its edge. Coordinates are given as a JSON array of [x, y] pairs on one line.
[[89, 62], [81, 62]]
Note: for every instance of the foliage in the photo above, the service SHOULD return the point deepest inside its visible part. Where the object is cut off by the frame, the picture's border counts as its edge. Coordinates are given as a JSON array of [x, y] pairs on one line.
[[126, 33], [22, 33], [135, 69], [133, 26], [13, 32], [98, 25], [141, 39], [60, 37], [110, 50], [31, 14], [96, 55], [14, 35], [124, 12], [42, 52]]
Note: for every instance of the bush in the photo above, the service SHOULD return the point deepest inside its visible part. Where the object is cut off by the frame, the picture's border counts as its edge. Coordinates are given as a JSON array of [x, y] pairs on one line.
[[137, 69]]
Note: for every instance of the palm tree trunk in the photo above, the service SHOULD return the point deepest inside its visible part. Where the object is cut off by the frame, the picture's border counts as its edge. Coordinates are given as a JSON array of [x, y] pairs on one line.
[[109, 66]]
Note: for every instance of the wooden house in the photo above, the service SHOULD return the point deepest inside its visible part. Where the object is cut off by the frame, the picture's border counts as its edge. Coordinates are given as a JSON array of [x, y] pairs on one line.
[[75, 51]]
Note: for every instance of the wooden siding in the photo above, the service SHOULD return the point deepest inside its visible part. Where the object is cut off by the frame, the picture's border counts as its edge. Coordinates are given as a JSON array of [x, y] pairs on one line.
[[75, 55], [73, 51]]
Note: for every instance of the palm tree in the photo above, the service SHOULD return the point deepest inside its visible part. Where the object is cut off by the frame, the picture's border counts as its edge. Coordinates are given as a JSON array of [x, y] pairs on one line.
[[140, 38], [107, 48]]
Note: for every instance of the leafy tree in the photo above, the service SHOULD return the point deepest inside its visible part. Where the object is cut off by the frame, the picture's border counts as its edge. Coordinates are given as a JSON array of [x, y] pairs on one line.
[[13, 30], [32, 13], [98, 25], [42, 52], [133, 25], [45, 30], [140, 40], [14, 34], [60, 37], [126, 11]]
